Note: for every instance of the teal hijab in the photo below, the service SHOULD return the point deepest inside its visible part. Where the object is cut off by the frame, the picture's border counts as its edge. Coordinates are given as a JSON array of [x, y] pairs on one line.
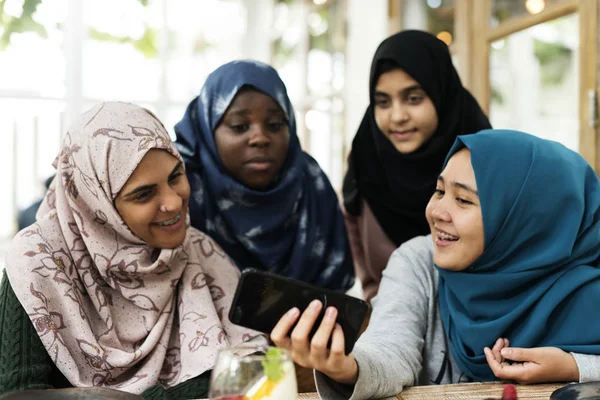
[[537, 282]]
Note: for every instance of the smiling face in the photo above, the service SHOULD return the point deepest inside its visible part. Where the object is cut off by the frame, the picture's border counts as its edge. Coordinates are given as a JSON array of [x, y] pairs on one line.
[[454, 215], [403, 111], [252, 139], [154, 200]]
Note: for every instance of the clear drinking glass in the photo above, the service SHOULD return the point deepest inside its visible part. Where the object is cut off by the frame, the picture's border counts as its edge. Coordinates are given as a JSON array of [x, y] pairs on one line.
[[265, 374]]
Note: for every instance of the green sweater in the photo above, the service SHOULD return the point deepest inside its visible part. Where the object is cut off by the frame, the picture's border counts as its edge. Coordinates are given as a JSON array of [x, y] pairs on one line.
[[25, 364]]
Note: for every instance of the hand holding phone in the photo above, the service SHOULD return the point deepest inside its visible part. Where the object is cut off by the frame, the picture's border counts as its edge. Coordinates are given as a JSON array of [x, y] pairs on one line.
[[325, 351], [262, 298]]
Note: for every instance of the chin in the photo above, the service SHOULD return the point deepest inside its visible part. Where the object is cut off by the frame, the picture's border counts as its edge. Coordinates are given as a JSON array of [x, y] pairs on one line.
[[259, 185], [170, 243], [445, 263], [407, 148]]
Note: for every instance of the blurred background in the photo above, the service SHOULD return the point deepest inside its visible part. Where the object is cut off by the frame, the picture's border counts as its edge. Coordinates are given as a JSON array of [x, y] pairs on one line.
[[532, 64]]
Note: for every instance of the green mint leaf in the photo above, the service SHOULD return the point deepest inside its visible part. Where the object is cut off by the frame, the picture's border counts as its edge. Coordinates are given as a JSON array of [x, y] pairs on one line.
[[272, 364]]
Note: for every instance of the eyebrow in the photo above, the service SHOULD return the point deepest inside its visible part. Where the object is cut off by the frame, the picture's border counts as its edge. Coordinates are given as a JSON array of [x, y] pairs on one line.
[[405, 90], [461, 186], [143, 188], [245, 111]]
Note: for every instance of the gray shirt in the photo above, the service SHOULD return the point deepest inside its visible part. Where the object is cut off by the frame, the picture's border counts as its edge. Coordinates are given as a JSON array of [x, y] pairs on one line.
[[405, 343]]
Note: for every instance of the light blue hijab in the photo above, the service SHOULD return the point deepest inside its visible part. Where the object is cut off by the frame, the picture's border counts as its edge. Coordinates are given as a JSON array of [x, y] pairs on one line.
[[295, 228], [538, 281]]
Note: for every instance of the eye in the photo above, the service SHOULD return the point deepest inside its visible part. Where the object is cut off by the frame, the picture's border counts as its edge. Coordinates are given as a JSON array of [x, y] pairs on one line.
[[439, 193], [144, 196], [239, 128], [175, 177], [275, 126], [463, 201], [381, 102], [415, 99]]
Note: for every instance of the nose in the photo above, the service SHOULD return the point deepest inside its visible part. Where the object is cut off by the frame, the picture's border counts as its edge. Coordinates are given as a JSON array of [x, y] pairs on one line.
[[440, 212], [399, 112], [171, 201], [258, 137]]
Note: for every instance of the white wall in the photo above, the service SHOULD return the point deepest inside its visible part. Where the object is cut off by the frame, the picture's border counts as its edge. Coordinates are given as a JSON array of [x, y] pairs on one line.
[[367, 27]]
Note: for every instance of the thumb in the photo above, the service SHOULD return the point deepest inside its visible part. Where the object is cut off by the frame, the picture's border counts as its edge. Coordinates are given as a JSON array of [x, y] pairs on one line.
[[520, 354]]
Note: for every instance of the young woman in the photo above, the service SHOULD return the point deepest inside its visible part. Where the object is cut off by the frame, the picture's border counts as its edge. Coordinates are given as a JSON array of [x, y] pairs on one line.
[[254, 190], [110, 287], [417, 108], [505, 286]]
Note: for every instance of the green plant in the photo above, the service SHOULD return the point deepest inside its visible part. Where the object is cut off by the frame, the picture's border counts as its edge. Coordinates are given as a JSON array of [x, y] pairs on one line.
[[554, 59], [11, 25]]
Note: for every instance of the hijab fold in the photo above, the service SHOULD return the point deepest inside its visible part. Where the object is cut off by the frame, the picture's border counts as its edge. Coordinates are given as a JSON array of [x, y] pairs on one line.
[[396, 186], [294, 228], [110, 310], [537, 282]]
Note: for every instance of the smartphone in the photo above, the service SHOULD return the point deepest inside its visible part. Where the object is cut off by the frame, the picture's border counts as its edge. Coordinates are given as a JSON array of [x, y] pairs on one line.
[[262, 298]]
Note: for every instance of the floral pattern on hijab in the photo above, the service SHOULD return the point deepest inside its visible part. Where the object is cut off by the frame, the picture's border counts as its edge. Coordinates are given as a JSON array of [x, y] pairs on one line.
[[109, 310]]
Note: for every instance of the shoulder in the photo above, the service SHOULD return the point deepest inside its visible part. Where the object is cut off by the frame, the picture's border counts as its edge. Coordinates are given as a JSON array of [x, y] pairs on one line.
[[414, 256]]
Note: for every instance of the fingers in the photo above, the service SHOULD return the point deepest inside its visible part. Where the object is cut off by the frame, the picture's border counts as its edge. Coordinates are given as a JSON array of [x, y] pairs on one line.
[[512, 372], [279, 334], [492, 361], [299, 336], [496, 350], [319, 342], [521, 355], [338, 344]]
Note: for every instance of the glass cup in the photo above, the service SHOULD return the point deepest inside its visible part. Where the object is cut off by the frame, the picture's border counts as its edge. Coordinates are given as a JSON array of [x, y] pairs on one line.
[[264, 374]]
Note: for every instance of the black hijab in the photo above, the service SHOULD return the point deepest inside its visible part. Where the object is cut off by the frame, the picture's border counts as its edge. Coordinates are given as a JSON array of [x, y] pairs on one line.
[[396, 186]]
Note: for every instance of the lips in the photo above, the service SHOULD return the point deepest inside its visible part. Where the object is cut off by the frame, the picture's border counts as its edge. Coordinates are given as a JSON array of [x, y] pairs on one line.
[[403, 132], [406, 134], [260, 163], [168, 222], [445, 236], [260, 160]]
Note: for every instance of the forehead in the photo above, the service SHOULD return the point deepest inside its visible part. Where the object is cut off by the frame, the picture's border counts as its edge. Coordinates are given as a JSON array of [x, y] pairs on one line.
[[459, 168], [156, 164], [396, 79], [252, 99]]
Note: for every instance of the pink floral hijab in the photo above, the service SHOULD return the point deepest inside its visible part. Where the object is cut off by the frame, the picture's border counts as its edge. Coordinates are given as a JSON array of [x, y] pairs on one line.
[[110, 310]]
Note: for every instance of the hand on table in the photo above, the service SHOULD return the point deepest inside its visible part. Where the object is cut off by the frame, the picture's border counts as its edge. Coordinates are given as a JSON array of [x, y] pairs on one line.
[[535, 365]]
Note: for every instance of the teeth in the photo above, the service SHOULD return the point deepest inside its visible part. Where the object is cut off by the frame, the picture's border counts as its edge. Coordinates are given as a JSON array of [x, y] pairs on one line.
[[170, 221], [445, 236]]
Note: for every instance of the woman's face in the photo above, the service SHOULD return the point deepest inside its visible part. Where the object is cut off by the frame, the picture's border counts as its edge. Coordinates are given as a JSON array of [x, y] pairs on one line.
[[252, 139], [154, 200], [403, 111], [454, 215]]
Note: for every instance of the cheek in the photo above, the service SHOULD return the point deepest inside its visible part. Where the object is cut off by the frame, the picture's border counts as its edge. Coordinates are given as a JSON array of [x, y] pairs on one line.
[[225, 145], [430, 117], [184, 191], [282, 145], [381, 117], [138, 217], [429, 210], [472, 230]]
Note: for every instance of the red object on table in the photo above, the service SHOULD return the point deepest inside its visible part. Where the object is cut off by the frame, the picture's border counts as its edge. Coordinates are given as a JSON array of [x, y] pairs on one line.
[[509, 392]]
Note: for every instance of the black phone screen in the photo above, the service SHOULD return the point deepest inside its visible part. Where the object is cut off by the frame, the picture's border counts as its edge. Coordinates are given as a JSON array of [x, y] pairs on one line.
[[262, 298]]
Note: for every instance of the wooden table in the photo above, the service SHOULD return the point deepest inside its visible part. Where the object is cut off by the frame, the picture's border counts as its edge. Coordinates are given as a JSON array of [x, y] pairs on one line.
[[461, 391]]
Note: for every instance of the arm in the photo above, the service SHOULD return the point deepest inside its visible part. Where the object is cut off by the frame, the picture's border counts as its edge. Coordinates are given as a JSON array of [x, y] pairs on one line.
[[388, 356], [588, 366], [24, 362], [389, 353]]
